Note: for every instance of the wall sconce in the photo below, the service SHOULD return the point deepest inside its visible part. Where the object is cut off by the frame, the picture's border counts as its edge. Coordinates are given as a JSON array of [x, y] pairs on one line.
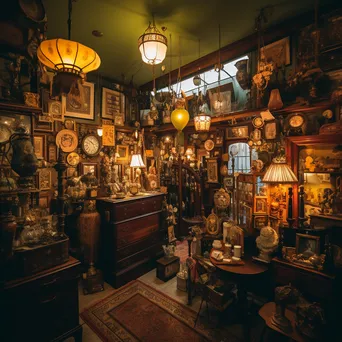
[[100, 131]]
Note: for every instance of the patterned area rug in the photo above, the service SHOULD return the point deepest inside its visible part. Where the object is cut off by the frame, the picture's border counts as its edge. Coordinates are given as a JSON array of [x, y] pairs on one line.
[[137, 312]]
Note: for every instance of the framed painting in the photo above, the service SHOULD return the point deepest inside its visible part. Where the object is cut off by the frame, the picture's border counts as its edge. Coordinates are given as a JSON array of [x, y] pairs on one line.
[[39, 146], [278, 52], [52, 153], [270, 130], [44, 179], [44, 200], [260, 221], [122, 154], [261, 205], [212, 168], [89, 168], [113, 105], [108, 135], [307, 245], [83, 107], [237, 132]]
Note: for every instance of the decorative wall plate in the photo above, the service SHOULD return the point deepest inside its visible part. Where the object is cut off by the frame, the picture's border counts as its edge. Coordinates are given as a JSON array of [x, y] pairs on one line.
[[67, 140], [221, 199], [209, 145], [73, 158], [258, 122], [91, 145]]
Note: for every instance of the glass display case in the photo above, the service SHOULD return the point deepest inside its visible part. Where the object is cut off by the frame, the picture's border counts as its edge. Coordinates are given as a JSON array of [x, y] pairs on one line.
[[252, 202]]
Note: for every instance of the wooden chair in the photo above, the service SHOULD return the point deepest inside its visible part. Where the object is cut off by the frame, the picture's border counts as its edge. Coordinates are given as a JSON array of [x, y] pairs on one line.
[[205, 285]]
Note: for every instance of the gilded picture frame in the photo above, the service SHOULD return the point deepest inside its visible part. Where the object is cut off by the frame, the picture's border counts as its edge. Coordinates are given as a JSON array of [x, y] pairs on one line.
[[83, 108], [113, 105], [123, 155]]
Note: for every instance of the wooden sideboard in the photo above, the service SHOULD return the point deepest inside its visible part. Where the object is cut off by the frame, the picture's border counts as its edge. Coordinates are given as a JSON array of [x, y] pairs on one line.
[[42, 307], [131, 236]]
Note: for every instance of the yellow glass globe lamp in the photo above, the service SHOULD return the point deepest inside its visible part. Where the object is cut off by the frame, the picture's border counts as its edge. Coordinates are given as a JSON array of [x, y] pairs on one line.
[[180, 116]]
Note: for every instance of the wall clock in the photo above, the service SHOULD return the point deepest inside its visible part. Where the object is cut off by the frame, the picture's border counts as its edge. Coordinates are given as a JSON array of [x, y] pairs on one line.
[[73, 158], [5, 133], [67, 140], [91, 145], [209, 145], [296, 123]]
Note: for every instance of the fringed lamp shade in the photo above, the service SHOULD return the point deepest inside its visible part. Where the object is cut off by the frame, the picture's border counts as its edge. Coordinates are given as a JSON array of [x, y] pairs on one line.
[[279, 172], [68, 59], [152, 45], [202, 122]]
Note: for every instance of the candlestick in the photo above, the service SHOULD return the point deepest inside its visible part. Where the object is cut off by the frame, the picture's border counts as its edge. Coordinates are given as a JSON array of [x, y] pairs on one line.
[[301, 202], [289, 211]]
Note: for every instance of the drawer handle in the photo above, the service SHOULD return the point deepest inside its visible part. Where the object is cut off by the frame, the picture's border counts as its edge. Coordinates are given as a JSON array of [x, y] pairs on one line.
[[49, 300], [50, 282]]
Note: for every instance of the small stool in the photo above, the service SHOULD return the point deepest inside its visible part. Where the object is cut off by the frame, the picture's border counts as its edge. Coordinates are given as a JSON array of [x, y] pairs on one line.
[[167, 268]]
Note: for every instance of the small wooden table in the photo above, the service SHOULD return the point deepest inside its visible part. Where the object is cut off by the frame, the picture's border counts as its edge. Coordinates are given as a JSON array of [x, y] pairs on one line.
[[241, 275], [267, 311]]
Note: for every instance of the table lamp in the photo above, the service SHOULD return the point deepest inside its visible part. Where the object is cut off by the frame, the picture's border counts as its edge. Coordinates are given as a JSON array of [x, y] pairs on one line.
[[279, 172], [137, 163]]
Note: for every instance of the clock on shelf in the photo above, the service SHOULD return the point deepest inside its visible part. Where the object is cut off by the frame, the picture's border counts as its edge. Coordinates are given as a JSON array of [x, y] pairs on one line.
[[73, 159], [258, 122], [91, 145], [296, 124]]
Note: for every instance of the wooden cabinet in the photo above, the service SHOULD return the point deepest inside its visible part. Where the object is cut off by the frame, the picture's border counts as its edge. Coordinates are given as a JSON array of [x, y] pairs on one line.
[[131, 236], [252, 203], [42, 307]]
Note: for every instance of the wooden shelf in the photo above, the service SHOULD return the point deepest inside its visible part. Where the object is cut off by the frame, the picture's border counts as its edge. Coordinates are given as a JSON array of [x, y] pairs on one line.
[[244, 114], [17, 107]]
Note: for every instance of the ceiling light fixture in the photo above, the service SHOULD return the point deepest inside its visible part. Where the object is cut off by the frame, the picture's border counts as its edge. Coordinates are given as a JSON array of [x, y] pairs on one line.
[[70, 60], [152, 45]]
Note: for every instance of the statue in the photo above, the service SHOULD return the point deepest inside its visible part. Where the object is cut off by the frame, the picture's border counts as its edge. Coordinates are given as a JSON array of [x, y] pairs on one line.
[[267, 243], [284, 295]]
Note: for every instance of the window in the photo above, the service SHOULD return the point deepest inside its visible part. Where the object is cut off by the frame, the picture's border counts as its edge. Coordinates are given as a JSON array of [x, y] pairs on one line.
[[210, 77], [242, 157]]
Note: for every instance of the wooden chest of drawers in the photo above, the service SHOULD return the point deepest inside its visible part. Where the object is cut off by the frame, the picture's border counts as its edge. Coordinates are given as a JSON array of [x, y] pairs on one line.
[[42, 307], [131, 236]]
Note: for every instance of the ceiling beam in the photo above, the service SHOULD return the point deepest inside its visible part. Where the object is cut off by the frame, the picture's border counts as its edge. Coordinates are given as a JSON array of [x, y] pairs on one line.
[[240, 47]]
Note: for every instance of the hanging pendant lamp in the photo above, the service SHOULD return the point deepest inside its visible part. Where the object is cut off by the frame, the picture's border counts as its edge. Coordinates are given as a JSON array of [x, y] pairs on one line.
[[70, 60], [152, 45], [180, 116]]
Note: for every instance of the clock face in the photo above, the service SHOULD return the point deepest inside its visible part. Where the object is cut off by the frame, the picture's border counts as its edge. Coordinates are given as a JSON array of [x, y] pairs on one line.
[[296, 121], [91, 145], [5, 133]]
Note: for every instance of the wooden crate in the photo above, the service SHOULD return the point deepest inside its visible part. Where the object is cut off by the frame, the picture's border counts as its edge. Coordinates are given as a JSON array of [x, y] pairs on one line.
[[167, 268]]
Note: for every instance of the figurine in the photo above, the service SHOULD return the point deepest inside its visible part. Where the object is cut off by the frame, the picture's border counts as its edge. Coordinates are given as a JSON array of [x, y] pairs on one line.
[[283, 296], [267, 243]]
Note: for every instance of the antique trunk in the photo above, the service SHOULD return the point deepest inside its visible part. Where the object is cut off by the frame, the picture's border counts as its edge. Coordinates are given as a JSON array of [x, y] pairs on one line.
[[167, 268]]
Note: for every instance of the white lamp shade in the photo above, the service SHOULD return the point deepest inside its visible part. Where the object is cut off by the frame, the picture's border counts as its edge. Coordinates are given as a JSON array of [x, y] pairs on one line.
[[137, 161], [279, 172]]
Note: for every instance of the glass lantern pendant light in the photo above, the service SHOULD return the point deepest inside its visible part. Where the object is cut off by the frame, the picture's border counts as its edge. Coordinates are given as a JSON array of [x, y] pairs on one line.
[[152, 45], [70, 60]]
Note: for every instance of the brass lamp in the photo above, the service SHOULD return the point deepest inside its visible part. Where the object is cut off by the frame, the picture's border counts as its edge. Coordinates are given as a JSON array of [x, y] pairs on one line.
[[70, 60], [152, 45]]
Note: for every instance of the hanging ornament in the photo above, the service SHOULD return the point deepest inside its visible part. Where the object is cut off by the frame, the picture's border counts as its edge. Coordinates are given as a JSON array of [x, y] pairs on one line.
[[180, 116]]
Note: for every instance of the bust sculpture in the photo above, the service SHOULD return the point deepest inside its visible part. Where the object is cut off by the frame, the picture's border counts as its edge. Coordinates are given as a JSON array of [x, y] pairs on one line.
[[267, 243]]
